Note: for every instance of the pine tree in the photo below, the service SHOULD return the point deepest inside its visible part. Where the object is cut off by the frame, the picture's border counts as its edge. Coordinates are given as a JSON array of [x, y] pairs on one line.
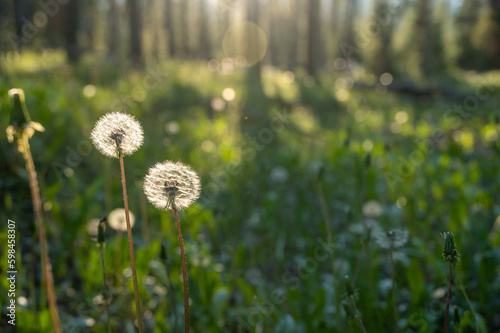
[[465, 22]]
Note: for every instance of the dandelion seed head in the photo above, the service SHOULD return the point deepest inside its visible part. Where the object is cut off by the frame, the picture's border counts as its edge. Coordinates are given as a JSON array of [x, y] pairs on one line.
[[170, 183], [89, 322], [21, 300], [372, 209], [391, 239], [118, 221], [92, 226], [279, 174], [115, 132]]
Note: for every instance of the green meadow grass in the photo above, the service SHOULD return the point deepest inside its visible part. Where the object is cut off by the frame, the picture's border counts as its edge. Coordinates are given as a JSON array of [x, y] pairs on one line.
[[255, 241]]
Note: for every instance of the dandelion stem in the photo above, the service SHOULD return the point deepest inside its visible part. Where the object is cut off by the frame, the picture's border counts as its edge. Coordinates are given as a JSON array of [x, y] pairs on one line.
[[184, 271], [37, 208], [365, 227], [326, 218], [105, 285], [448, 301], [394, 293], [131, 246], [358, 264], [359, 321]]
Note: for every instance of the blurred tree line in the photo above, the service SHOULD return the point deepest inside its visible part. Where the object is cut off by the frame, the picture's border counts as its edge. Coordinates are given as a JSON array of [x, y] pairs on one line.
[[407, 38]]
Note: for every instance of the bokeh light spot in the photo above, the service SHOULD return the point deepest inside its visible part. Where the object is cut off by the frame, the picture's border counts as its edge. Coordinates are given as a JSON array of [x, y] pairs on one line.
[[229, 94], [245, 41], [340, 64], [401, 202], [139, 94], [208, 146], [89, 91], [368, 145], [213, 65], [218, 104], [342, 95], [401, 117], [288, 77], [172, 127], [386, 79]]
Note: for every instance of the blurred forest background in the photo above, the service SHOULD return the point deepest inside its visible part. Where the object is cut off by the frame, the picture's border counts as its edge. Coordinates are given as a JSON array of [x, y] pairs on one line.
[[404, 38], [314, 125]]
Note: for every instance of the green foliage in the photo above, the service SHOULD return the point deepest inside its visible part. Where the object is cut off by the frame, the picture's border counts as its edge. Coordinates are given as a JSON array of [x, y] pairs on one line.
[[255, 241]]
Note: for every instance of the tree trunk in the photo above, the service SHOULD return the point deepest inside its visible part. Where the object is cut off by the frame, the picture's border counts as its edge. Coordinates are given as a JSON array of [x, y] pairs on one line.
[[254, 111], [423, 35], [493, 49], [382, 55], [204, 36], [71, 33], [184, 28], [314, 38], [169, 26], [135, 32], [20, 12], [466, 20], [113, 36], [350, 27], [151, 16], [90, 11], [335, 28], [335, 16], [293, 33], [274, 36], [252, 38]]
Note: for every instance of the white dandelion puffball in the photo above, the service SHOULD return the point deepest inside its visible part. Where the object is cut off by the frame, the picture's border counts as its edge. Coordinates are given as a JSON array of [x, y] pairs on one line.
[[170, 183], [279, 174], [391, 239], [372, 209], [115, 132], [92, 227], [117, 219]]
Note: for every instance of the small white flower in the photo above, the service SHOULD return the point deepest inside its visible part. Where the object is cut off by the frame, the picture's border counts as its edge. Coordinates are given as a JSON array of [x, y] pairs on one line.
[[170, 183], [92, 226], [372, 209], [117, 132], [117, 219]]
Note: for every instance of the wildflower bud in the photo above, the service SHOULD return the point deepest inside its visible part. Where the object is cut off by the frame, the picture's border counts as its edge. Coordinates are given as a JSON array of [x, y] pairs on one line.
[[456, 316], [450, 253], [368, 160], [19, 116], [100, 234], [348, 286], [348, 310], [100, 231]]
